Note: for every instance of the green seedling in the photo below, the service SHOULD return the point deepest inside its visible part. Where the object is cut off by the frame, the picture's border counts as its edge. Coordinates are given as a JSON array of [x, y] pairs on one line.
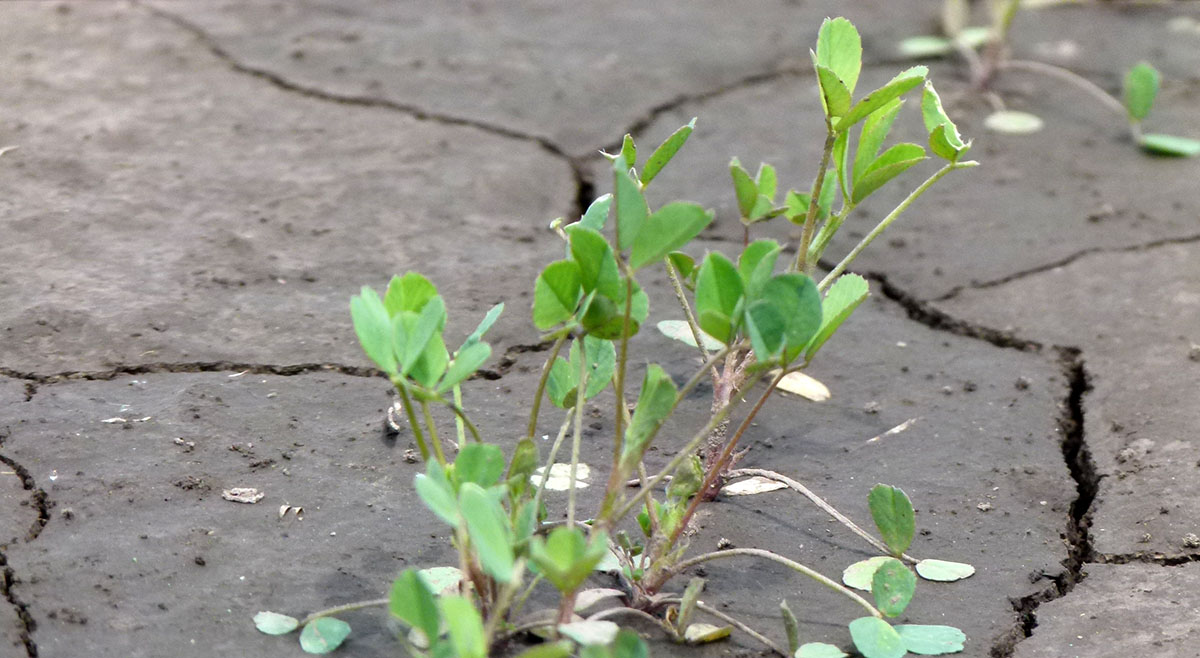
[[985, 49], [757, 314]]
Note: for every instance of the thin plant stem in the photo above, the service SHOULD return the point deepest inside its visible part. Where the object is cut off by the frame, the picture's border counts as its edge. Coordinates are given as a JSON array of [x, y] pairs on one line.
[[650, 511], [680, 456], [433, 434], [562, 433], [619, 382], [810, 220], [502, 602], [345, 607], [673, 274], [1094, 90], [891, 217], [422, 446], [531, 430], [819, 502], [714, 469], [519, 604], [580, 396], [461, 417], [700, 605], [460, 429], [775, 557], [634, 612]]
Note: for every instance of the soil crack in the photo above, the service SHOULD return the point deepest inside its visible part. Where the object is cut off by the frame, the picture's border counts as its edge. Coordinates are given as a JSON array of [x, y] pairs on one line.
[[578, 174], [1161, 559], [8, 578], [1062, 262], [1077, 536]]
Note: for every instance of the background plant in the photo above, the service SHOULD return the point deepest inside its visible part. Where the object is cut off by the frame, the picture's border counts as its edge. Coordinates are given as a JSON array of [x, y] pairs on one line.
[[753, 316], [986, 51]]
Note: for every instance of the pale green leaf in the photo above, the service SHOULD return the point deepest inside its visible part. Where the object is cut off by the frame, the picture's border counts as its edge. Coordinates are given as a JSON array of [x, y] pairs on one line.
[[323, 635], [487, 525], [1013, 122], [466, 361], [893, 162], [839, 48], [412, 601], [597, 213], [928, 640], [859, 574], [840, 301], [1159, 144], [680, 331], [464, 625], [481, 463], [408, 293], [373, 326], [590, 632], [273, 623], [875, 638], [924, 46], [654, 404], [744, 187], [834, 95], [632, 210], [944, 571], [434, 490], [874, 131], [819, 650], [892, 90], [556, 293]]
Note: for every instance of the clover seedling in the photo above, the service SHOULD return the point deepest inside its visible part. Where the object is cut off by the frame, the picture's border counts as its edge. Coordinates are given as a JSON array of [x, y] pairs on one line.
[[1141, 82], [754, 315]]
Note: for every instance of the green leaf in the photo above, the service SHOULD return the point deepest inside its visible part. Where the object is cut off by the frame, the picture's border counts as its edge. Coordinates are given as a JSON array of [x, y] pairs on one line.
[[840, 301], [629, 645], [928, 640], [944, 571], [875, 638], [756, 264], [560, 649], [524, 461], [629, 152], [874, 131], [744, 186], [566, 558], [892, 586], [323, 635], [432, 362], [596, 216], [373, 326], [892, 163], [556, 293], [464, 625], [687, 603], [408, 293], [632, 210], [602, 362], [412, 601], [669, 228], [597, 265], [765, 325], [685, 264], [766, 181], [944, 139], [487, 525], [718, 289], [893, 514], [465, 363], [273, 623], [860, 574], [586, 632], [839, 48], [686, 480], [481, 463], [654, 404], [705, 633], [791, 627], [825, 199], [894, 89], [924, 46], [486, 323], [835, 97], [561, 384], [680, 331], [1013, 122], [665, 151], [435, 491], [819, 650], [796, 299], [1141, 87], [1159, 144]]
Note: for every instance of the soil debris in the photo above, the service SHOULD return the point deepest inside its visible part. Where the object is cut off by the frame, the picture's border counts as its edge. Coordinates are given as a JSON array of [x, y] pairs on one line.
[[248, 495]]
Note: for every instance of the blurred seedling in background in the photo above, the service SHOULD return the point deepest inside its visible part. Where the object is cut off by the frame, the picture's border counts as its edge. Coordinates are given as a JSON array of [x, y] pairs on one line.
[[986, 51], [746, 317]]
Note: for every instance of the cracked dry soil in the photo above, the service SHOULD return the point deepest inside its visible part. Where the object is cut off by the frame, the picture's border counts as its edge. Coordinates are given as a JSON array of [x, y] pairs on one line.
[[214, 181]]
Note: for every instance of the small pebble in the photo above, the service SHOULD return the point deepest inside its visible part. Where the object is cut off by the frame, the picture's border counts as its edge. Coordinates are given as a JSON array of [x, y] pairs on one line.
[[872, 407], [1023, 383], [1190, 540], [983, 507]]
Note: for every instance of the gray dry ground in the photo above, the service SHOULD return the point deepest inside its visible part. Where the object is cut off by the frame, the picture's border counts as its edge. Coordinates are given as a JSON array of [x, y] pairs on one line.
[[199, 188]]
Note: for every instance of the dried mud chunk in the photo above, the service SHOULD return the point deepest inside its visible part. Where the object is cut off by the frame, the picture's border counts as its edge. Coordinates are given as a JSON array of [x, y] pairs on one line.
[[248, 495]]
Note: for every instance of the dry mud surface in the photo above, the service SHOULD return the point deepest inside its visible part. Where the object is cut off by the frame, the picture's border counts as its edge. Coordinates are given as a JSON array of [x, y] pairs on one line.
[[199, 188]]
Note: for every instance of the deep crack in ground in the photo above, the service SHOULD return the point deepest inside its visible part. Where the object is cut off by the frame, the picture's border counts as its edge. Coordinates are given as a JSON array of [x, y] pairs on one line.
[[8, 578]]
